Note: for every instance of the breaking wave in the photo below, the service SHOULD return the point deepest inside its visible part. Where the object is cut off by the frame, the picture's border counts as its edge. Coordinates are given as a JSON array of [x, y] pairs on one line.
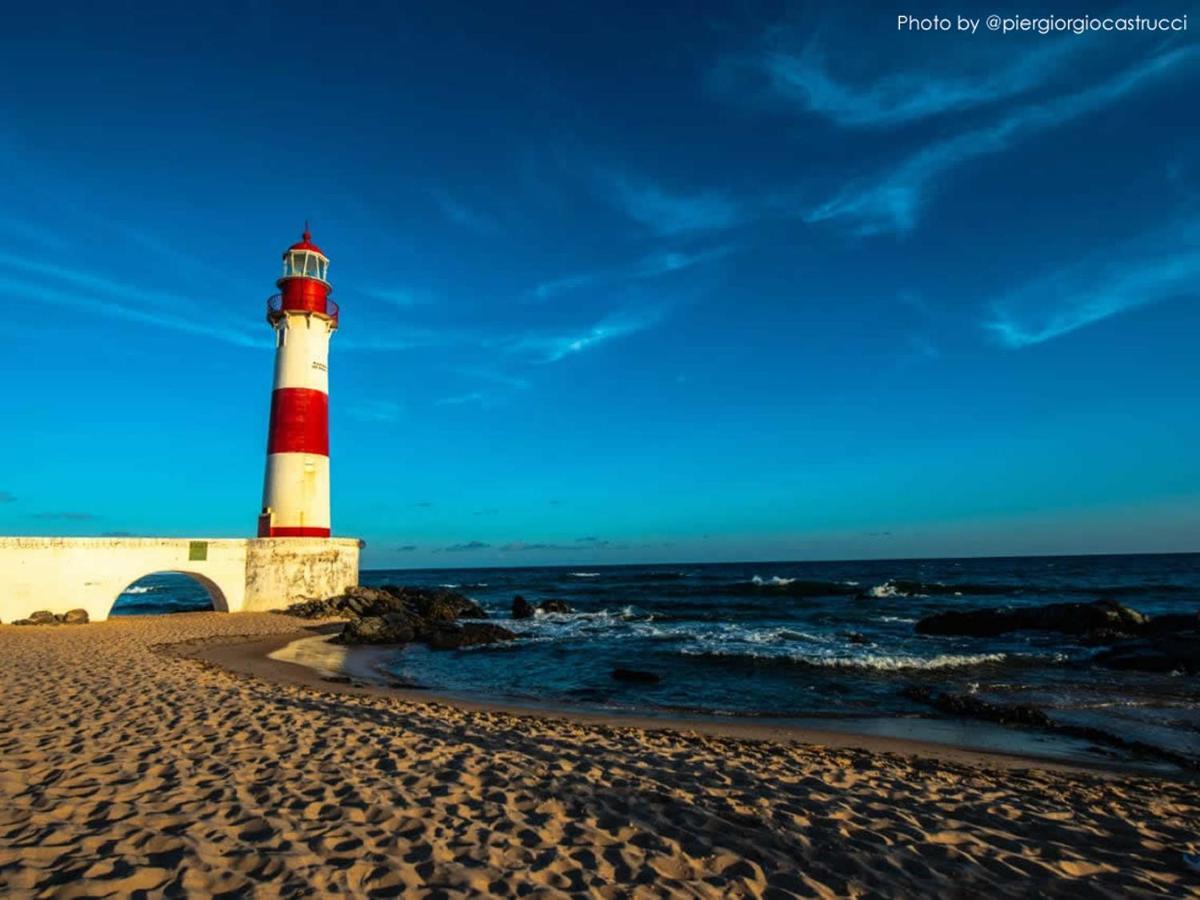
[[869, 661], [905, 587]]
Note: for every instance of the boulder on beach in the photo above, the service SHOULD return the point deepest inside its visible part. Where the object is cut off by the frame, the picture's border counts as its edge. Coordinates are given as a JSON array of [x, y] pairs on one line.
[[442, 605], [75, 617], [390, 628], [397, 615], [470, 634], [434, 605], [521, 608], [1103, 618], [41, 617]]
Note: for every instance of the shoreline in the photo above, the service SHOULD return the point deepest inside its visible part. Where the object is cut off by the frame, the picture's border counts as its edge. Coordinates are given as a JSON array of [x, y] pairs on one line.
[[279, 659]]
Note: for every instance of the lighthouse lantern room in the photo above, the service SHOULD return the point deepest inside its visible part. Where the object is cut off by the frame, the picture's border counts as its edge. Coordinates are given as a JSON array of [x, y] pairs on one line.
[[296, 487]]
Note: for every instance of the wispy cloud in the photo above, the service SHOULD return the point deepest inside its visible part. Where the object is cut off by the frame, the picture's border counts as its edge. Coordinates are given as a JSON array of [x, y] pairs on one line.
[[6, 497], [401, 297], [917, 348], [522, 547], [464, 548], [65, 516], [654, 265], [1162, 266], [805, 79], [494, 376], [374, 411], [404, 338], [668, 213], [60, 286], [556, 347], [461, 214], [892, 202], [481, 397], [407, 548], [33, 233]]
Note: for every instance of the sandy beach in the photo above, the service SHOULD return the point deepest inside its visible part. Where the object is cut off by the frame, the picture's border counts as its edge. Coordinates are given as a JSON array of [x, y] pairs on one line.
[[168, 755]]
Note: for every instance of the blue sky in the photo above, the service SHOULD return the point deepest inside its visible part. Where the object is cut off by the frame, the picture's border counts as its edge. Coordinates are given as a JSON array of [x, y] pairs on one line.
[[618, 284]]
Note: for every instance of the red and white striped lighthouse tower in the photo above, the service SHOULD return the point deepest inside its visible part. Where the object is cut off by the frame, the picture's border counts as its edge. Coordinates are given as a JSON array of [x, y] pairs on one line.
[[296, 488]]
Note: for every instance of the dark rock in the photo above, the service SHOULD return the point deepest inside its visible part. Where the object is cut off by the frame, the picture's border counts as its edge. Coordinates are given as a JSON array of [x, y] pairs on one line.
[[1172, 624], [966, 706], [391, 628], [855, 637], [521, 608], [1162, 653], [1028, 715], [75, 617], [1102, 617], [455, 637], [391, 614], [356, 602], [442, 605], [41, 617], [554, 606], [635, 676], [438, 605]]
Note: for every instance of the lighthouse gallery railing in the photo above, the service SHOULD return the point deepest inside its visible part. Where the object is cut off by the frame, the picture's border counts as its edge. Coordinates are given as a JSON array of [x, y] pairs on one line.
[[275, 308]]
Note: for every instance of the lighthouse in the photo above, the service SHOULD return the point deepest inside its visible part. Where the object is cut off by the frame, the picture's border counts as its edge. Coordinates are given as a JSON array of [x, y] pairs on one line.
[[296, 487]]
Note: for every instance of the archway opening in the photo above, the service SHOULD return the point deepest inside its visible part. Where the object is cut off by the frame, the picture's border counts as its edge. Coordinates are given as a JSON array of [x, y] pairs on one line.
[[160, 593]]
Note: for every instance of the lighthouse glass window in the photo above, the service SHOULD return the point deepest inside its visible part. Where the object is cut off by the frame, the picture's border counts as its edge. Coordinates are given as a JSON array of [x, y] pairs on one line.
[[304, 263]]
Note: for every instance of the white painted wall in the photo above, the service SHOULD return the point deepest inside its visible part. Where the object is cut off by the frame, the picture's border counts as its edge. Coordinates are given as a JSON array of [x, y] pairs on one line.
[[302, 356], [297, 489], [58, 574]]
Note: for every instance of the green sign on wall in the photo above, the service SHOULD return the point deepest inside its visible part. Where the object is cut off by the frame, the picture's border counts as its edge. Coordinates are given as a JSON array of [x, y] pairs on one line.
[[198, 550]]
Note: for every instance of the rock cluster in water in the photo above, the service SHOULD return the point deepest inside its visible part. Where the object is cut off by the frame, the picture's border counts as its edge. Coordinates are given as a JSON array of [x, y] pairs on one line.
[[403, 615], [45, 617], [1169, 643], [970, 707], [523, 609]]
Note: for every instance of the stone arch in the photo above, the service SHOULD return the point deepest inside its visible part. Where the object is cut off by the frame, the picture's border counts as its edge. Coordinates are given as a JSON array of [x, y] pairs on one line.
[[216, 596]]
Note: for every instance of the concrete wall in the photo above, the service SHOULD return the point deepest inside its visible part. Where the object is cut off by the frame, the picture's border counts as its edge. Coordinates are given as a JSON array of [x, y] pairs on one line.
[[297, 568], [58, 574]]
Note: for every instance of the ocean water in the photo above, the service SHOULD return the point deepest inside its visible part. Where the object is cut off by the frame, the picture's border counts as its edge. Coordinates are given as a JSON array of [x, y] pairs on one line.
[[162, 592], [802, 640]]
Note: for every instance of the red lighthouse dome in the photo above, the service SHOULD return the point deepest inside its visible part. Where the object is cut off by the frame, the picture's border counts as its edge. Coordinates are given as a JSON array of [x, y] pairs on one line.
[[304, 285], [305, 243]]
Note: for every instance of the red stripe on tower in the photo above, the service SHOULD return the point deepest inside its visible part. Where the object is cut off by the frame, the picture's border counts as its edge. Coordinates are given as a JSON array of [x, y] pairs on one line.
[[299, 421], [297, 532]]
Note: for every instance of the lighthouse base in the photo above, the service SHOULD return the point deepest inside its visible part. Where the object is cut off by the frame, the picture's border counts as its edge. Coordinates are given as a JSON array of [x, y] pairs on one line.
[[63, 573]]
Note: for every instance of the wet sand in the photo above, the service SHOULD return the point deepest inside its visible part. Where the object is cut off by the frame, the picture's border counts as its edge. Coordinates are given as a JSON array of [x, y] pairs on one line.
[[170, 755]]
